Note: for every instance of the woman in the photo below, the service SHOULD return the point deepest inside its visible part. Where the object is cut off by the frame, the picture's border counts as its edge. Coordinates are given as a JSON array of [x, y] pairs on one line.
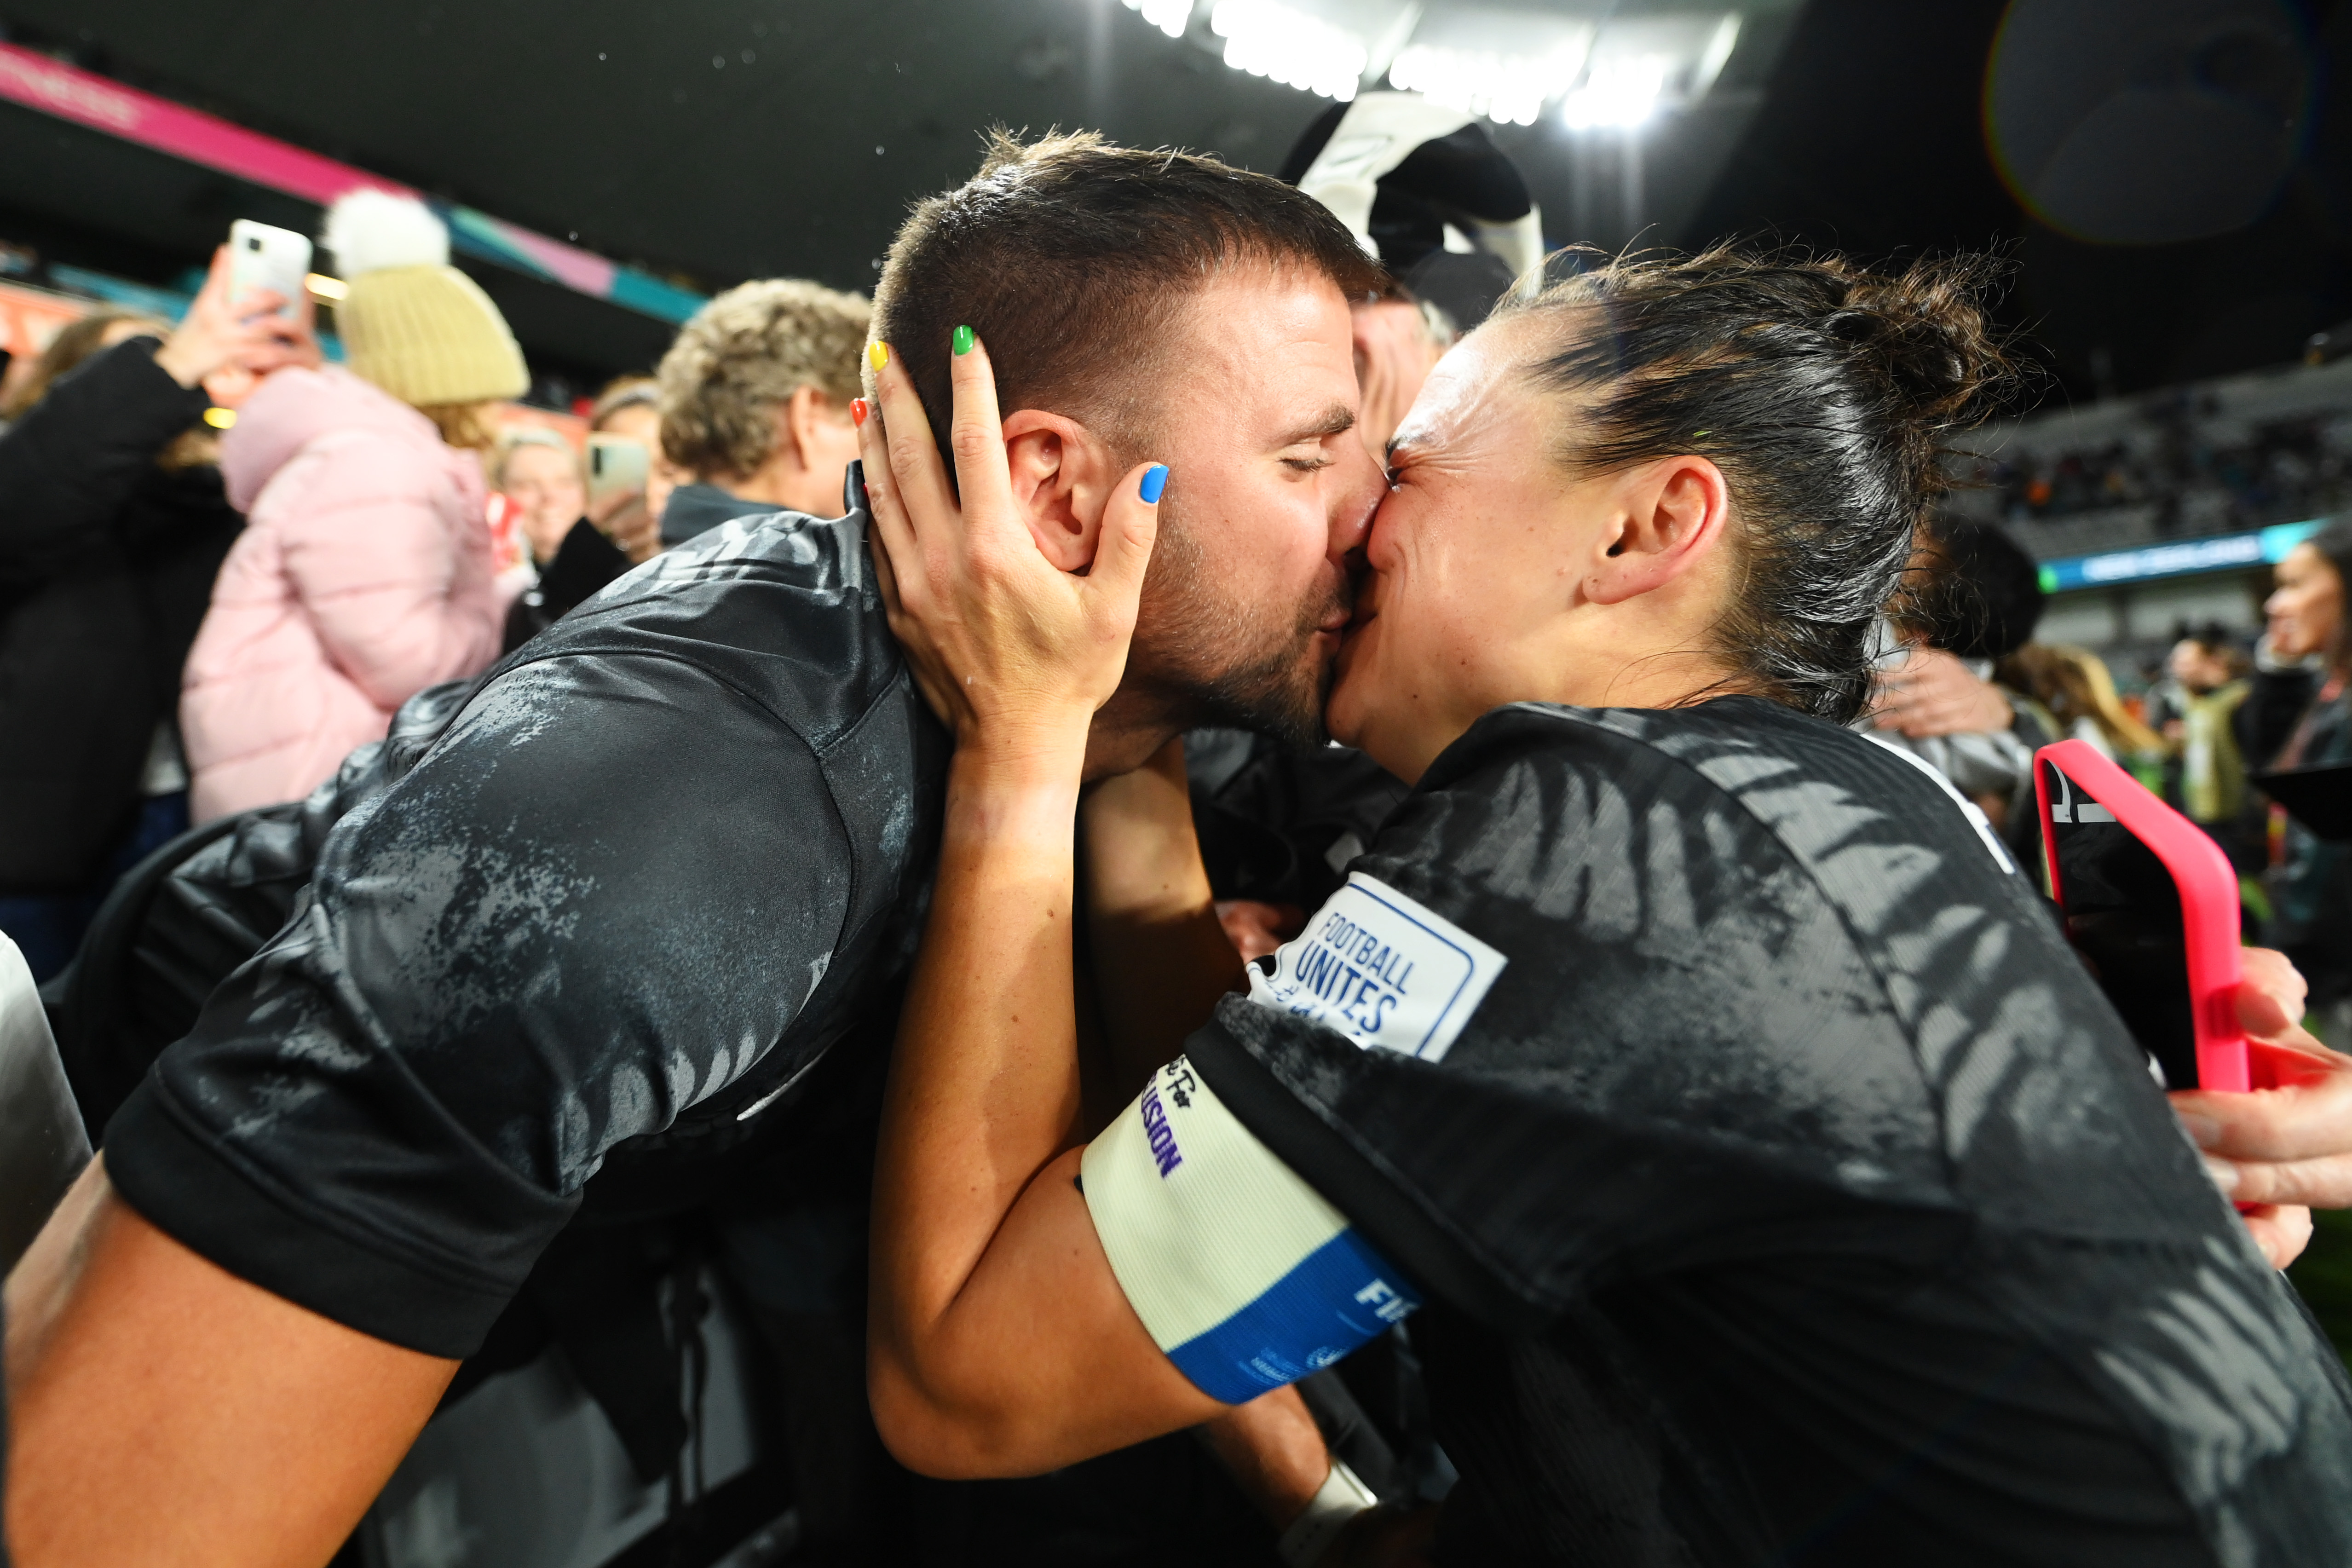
[[113, 524], [365, 574], [1772, 1182], [577, 545], [2312, 897]]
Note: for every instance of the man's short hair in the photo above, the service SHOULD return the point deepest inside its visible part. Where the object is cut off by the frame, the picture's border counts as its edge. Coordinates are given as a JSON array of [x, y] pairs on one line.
[[1071, 258], [745, 351]]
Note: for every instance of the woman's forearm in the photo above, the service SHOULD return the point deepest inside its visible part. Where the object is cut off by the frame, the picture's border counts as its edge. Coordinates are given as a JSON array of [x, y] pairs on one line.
[[984, 1085]]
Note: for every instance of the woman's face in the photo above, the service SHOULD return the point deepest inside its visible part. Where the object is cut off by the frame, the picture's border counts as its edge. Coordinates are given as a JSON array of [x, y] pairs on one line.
[[2306, 608], [1497, 576], [544, 482]]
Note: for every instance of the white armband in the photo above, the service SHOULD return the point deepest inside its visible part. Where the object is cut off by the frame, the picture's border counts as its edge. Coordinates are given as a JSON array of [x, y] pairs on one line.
[[1243, 1274]]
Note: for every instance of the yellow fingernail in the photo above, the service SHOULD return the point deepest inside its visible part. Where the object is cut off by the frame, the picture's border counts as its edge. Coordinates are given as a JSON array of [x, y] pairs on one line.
[[878, 354]]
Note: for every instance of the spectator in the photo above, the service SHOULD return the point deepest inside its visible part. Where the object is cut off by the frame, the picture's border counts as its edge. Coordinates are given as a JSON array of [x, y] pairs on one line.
[[2313, 893], [538, 472], [2205, 685], [1975, 599], [755, 397], [364, 575], [578, 545], [2075, 686], [112, 523], [630, 408]]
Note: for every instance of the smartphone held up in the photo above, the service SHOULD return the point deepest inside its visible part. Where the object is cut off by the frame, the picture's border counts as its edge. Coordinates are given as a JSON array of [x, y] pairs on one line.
[[2151, 903], [263, 256]]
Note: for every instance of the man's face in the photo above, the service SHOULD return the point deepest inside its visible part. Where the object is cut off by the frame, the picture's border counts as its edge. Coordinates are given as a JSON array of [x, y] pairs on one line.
[[1269, 488]]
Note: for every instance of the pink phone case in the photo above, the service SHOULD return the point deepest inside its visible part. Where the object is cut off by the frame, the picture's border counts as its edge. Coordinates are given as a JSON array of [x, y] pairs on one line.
[[2209, 895]]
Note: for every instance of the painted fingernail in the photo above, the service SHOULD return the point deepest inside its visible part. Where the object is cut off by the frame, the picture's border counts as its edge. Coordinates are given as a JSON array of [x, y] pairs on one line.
[[1155, 480], [2225, 1175], [857, 411], [2203, 1130], [961, 340], [878, 354]]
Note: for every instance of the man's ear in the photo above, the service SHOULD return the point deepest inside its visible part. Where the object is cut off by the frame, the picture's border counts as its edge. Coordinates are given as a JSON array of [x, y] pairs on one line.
[[1061, 482], [1666, 519]]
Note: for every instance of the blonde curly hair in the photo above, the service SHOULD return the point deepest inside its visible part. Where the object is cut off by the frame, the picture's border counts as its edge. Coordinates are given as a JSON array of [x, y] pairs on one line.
[[745, 351]]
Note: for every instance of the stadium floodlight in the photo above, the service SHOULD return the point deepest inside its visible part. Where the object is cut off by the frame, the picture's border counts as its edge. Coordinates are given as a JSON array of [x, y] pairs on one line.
[[1620, 94], [1171, 16], [1269, 38], [1503, 64], [1506, 62]]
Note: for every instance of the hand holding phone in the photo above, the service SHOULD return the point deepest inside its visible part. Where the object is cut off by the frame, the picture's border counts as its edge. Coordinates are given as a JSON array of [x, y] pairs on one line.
[[221, 335]]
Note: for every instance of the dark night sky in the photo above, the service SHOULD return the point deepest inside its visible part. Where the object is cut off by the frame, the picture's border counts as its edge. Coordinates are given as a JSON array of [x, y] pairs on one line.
[[1871, 141]]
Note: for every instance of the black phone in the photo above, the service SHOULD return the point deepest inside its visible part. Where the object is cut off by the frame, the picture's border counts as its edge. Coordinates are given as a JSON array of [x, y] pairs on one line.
[[2152, 906]]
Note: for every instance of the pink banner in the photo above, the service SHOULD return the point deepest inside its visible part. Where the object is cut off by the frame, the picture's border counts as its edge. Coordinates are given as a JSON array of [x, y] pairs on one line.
[[71, 93]]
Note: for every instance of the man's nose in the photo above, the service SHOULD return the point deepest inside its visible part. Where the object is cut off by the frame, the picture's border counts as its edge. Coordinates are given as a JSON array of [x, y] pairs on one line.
[[1354, 502]]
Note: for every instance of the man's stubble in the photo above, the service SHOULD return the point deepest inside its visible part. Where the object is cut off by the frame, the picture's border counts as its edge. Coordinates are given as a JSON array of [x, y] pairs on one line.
[[1209, 654]]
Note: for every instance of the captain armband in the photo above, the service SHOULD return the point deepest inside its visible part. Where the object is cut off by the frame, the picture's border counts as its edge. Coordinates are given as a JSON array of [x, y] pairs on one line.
[[1244, 1277]]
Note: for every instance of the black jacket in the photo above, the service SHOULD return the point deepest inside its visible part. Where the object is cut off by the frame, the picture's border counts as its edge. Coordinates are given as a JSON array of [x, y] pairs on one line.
[[106, 567], [585, 562]]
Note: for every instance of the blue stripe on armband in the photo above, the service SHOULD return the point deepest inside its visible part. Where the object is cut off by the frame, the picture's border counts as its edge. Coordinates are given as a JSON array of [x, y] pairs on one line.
[[1338, 1297]]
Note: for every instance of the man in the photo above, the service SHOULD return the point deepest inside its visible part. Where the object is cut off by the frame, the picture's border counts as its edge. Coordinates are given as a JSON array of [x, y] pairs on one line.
[[754, 402], [637, 914]]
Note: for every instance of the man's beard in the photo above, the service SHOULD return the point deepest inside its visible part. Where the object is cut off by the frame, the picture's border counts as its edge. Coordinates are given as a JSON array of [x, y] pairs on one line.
[[1213, 661]]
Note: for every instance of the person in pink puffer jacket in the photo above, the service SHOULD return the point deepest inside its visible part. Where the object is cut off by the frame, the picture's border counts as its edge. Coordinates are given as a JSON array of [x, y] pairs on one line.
[[362, 576], [365, 574]]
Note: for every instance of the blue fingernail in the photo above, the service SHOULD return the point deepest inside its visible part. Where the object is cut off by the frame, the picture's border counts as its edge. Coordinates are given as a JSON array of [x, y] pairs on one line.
[[1155, 480]]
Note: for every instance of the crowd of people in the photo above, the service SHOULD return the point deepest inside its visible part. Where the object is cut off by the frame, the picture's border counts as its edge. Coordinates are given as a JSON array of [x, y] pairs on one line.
[[1138, 836], [2194, 472]]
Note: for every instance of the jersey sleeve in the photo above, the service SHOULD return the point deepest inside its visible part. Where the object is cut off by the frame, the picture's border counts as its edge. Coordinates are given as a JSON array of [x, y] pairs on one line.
[[605, 894], [1244, 1277]]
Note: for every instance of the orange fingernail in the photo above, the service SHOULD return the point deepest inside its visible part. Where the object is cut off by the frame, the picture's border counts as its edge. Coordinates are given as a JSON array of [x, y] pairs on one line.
[[857, 410], [878, 354]]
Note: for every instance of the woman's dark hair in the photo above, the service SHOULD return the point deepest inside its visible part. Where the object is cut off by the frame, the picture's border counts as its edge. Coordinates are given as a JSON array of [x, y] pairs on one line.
[[2333, 543], [1825, 393], [76, 342]]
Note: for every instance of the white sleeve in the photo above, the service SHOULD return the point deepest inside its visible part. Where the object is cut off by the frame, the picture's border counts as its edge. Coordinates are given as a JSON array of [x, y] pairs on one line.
[[1244, 1277]]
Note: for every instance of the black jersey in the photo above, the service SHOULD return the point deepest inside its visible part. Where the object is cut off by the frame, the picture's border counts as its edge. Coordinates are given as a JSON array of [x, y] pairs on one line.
[[1781, 1188], [644, 879]]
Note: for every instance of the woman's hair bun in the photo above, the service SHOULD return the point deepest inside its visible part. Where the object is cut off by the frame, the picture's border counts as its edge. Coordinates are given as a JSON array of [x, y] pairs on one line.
[[1929, 329]]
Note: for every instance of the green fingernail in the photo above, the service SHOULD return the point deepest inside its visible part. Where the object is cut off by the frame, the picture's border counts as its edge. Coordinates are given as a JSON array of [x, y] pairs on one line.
[[962, 340]]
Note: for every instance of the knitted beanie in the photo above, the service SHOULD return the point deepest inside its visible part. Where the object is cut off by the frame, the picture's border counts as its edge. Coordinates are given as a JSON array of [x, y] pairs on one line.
[[411, 322]]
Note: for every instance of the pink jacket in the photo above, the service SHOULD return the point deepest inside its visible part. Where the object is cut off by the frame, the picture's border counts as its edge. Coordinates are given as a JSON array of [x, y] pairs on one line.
[[362, 576]]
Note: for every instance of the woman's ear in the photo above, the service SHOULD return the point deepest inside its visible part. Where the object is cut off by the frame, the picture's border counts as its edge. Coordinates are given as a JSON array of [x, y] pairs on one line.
[[1061, 482], [1668, 518]]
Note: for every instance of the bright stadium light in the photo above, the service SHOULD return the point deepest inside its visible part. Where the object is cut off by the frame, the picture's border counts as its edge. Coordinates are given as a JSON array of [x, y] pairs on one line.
[[1510, 89], [1171, 16], [1619, 94], [1267, 39]]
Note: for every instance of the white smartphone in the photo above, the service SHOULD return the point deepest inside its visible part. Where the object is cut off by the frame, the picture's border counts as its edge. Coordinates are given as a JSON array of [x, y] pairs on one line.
[[615, 463], [261, 256]]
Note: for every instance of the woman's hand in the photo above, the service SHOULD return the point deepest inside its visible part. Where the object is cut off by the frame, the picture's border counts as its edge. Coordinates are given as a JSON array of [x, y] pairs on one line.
[[243, 337], [2285, 1149], [1008, 647]]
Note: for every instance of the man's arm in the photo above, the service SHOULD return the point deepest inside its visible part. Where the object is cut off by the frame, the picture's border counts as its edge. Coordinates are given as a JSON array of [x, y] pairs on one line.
[[1160, 957], [149, 1388]]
